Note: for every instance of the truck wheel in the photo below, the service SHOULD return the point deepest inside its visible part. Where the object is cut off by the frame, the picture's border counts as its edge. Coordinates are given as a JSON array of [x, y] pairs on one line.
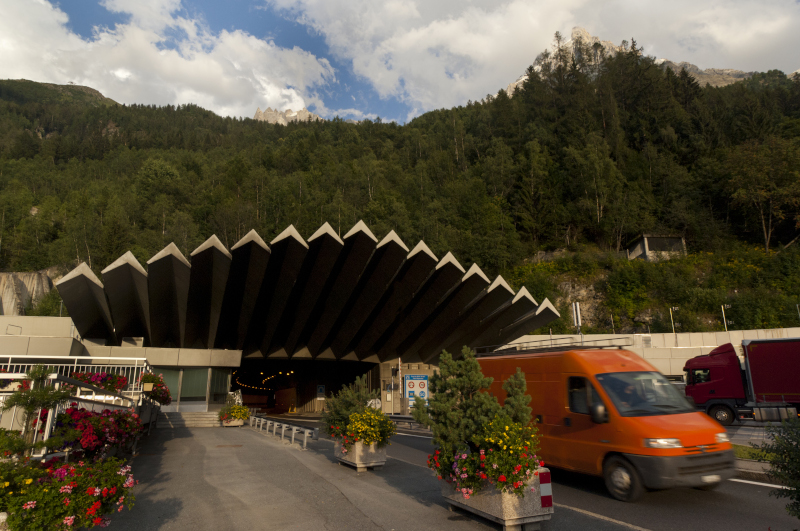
[[722, 414], [622, 479]]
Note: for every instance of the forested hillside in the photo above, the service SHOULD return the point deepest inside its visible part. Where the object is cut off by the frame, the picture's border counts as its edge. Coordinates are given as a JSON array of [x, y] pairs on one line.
[[590, 152]]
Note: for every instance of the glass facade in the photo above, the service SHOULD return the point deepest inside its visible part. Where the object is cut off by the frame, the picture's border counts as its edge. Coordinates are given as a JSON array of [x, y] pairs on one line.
[[218, 390], [194, 385], [195, 388]]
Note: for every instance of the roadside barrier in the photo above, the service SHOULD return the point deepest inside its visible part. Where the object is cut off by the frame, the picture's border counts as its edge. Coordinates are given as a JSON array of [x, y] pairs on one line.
[[260, 423]]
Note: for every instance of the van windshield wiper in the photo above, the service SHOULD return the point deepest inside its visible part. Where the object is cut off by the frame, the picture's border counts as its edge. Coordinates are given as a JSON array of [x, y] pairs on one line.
[[670, 406], [640, 411]]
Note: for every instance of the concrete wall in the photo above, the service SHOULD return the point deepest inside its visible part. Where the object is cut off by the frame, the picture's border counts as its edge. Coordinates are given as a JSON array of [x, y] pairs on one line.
[[21, 325], [666, 352]]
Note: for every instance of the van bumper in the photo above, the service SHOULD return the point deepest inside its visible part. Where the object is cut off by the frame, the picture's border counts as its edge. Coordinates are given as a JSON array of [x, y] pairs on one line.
[[684, 470]]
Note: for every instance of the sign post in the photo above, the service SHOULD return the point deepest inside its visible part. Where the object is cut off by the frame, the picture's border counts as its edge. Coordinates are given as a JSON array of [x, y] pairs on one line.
[[416, 386]]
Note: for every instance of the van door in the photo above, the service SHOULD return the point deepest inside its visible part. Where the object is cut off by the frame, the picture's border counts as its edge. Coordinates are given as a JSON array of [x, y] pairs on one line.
[[583, 443]]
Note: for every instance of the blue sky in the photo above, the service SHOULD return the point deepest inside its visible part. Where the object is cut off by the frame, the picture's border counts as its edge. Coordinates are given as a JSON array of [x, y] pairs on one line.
[[359, 58]]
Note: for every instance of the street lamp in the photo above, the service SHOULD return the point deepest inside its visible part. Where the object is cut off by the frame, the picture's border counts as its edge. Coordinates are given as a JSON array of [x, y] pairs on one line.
[[671, 320], [724, 319]]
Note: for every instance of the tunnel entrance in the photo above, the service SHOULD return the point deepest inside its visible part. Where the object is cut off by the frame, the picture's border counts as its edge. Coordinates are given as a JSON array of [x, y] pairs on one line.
[[293, 385]]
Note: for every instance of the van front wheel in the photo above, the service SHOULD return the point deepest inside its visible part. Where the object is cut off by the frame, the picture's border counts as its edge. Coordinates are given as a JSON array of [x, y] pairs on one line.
[[622, 479]]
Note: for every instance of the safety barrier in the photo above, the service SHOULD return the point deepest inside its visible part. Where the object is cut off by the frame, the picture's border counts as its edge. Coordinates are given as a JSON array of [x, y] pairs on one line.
[[259, 423]]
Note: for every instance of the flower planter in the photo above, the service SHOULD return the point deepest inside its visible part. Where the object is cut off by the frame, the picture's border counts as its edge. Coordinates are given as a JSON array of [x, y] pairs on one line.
[[234, 422], [513, 512], [359, 456]]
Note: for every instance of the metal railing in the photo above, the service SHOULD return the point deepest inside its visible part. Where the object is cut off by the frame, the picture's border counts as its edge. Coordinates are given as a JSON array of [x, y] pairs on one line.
[[131, 368], [99, 400], [553, 344]]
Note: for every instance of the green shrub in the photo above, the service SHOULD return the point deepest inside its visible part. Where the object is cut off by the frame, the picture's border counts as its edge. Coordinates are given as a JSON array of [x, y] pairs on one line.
[[782, 453], [350, 399]]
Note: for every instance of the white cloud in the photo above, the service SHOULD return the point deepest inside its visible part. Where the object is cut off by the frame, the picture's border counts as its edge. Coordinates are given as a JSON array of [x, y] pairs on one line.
[[440, 54], [230, 73]]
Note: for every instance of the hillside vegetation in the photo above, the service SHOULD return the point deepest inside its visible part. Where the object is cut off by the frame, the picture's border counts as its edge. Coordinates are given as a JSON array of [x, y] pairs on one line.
[[590, 152]]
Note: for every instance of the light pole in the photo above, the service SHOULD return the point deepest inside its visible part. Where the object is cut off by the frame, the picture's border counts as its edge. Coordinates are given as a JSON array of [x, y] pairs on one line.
[[673, 308], [724, 319]]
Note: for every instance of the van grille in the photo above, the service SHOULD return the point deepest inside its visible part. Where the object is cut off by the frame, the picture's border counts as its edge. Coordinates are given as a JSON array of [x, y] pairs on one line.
[[702, 449], [705, 463]]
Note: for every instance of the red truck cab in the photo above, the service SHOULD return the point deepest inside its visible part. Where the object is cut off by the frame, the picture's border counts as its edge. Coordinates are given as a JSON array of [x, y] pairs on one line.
[[715, 382], [764, 387]]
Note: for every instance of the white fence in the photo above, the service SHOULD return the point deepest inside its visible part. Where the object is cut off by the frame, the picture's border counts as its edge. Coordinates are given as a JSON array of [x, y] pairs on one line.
[[87, 396]]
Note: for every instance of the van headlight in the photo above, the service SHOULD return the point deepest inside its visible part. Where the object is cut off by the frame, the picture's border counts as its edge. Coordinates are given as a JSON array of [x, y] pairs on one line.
[[663, 443], [722, 437]]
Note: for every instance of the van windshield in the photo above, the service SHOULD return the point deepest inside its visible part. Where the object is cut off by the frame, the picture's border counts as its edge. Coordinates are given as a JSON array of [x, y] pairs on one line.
[[640, 394]]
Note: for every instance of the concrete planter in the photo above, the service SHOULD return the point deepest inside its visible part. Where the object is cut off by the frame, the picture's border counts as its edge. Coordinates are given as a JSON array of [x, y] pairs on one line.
[[235, 422], [360, 456], [509, 510]]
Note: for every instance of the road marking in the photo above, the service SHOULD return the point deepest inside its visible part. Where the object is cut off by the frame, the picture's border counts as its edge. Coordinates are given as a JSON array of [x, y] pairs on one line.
[[411, 435], [601, 517], [759, 484]]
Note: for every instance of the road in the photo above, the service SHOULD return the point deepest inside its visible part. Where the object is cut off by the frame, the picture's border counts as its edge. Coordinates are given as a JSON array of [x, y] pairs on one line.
[[735, 505]]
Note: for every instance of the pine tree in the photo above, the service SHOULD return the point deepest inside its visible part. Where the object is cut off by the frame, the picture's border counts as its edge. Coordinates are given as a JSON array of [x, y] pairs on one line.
[[517, 398], [351, 399], [458, 406]]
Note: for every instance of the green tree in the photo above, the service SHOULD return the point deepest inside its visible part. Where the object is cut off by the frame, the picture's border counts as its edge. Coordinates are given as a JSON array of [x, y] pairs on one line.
[[764, 180], [517, 398], [782, 452], [458, 406], [353, 398]]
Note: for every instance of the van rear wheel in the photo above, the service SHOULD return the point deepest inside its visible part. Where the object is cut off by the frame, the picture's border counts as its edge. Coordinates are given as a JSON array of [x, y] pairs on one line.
[[622, 479], [722, 414]]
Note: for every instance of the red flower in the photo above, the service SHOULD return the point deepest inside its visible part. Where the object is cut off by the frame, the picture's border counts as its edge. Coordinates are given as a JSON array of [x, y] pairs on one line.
[[517, 468], [97, 521], [502, 478], [541, 463], [483, 476], [483, 457], [439, 477]]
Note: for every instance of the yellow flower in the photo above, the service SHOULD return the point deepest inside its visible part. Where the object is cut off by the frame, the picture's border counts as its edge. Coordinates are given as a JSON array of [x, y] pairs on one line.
[[28, 481], [6, 484]]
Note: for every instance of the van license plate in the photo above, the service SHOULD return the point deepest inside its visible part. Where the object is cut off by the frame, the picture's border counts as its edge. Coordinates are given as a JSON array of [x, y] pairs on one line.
[[711, 479]]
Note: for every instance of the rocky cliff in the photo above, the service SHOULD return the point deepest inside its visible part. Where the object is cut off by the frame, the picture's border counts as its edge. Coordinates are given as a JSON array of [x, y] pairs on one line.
[[716, 77], [18, 290], [275, 116]]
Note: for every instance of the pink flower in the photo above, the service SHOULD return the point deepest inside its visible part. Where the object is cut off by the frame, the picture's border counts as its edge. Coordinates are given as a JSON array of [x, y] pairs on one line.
[[97, 491], [29, 505], [66, 489], [69, 520], [463, 456]]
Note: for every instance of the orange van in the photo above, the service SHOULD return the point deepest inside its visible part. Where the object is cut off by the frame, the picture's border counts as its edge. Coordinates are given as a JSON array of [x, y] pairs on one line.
[[609, 413]]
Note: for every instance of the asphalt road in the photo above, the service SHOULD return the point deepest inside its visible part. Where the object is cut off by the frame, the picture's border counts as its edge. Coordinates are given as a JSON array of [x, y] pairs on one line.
[[733, 506]]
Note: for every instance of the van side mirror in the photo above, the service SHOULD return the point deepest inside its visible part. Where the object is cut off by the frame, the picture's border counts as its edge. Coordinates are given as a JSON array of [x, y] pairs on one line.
[[599, 414]]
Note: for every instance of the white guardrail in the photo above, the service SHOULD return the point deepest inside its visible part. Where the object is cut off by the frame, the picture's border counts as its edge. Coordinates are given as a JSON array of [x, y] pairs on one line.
[[87, 396]]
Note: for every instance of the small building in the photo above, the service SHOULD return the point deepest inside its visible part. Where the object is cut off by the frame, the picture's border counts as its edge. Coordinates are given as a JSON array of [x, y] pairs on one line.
[[655, 247]]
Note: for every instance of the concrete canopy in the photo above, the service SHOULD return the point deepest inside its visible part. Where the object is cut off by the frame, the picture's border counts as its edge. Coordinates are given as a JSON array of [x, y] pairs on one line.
[[126, 290], [82, 290], [349, 298], [168, 274]]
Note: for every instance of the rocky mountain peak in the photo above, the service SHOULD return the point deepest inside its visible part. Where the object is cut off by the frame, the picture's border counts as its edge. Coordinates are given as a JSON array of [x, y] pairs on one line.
[[275, 116]]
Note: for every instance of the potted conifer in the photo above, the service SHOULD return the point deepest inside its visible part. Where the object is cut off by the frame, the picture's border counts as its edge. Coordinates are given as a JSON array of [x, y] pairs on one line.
[[360, 432], [486, 453]]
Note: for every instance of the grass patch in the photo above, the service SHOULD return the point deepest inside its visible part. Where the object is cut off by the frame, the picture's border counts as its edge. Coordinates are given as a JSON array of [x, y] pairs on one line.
[[748, 452]]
